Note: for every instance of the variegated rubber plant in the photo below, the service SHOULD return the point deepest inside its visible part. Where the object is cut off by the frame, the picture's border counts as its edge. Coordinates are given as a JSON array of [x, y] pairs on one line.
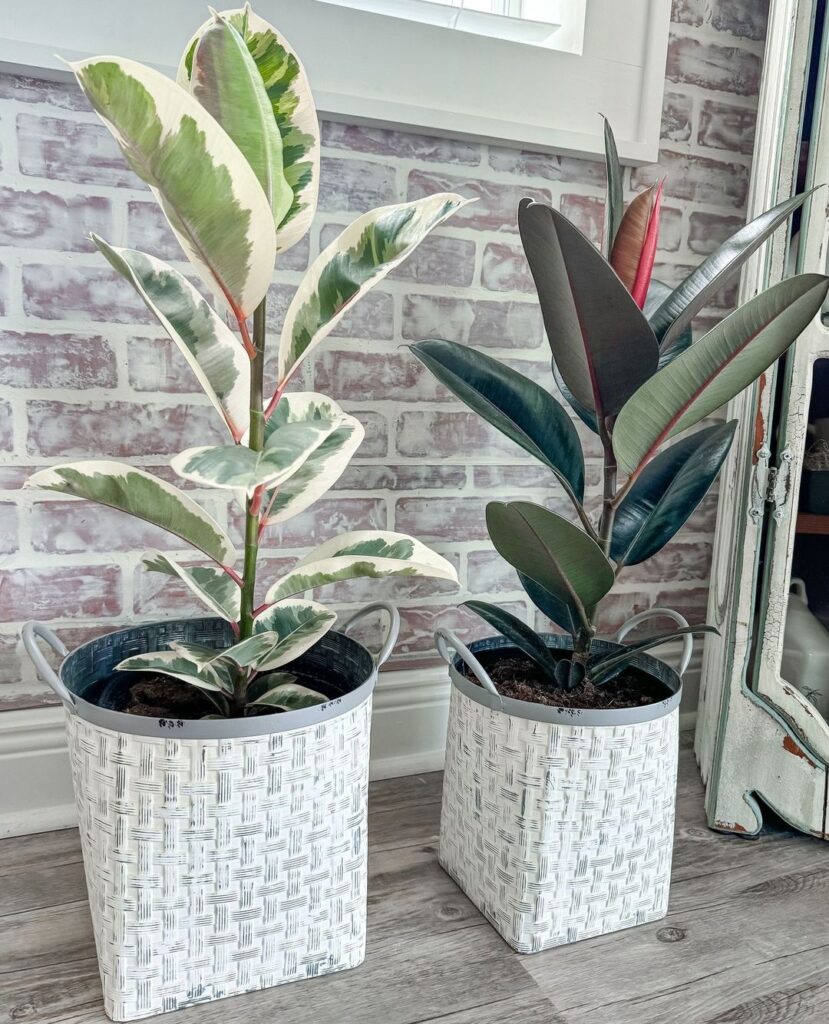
[[623, 360], [231, 152]]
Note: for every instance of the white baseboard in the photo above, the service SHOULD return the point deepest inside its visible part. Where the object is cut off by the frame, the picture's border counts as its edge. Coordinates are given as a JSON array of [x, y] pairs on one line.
[[407, 736]]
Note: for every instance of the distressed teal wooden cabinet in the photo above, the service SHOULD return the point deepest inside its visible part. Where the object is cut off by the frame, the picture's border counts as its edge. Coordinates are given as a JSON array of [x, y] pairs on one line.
[[760, 742]]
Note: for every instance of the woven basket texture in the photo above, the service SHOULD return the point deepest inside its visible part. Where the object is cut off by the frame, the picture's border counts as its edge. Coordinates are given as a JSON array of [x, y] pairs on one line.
[[216, 867], [557, 832]]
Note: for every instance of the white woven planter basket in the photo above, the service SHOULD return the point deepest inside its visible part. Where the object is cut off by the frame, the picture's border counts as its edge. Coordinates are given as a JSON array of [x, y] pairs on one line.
[[223, 864], [558, 828]]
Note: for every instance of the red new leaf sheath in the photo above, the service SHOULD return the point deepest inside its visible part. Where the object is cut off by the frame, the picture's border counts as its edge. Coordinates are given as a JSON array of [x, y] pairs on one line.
[[639, 291]]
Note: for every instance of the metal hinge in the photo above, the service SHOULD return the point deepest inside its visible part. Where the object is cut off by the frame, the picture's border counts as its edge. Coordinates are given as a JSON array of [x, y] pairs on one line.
[[770, 484]]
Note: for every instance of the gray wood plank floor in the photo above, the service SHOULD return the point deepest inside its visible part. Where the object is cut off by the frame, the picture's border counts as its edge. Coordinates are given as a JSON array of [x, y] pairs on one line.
[[746, 940]]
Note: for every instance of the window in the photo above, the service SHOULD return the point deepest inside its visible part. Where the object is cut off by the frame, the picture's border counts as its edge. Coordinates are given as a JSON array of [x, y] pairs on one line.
[[554, 24]]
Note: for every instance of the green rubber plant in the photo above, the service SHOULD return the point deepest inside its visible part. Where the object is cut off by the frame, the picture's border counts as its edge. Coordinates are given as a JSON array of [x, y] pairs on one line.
[[623, 360], [231, 153]]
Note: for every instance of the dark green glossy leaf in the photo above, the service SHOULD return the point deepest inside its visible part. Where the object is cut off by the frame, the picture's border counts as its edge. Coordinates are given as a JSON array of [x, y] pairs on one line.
[[551, 551], [675, 313], [602, 343], [556, 611], [518, 633], [606, 668], [512, 403], [615, 207], [667, 492], [716, 368]]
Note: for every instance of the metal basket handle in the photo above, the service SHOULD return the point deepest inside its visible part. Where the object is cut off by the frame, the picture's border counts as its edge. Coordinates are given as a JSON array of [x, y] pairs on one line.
[[30, 633], [446, 642], [680, 620], [393, 630]]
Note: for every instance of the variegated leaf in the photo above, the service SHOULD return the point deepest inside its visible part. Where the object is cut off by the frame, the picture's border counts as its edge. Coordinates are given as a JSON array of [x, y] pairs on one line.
[[211, 586], [226, 81], [324, 466], [296, 625], [171, 663], [290, 697], [197, 653], [234, 467], [141, 495], [206, 342], [292, 106], [353, 263], [373, 553], [206, 187]]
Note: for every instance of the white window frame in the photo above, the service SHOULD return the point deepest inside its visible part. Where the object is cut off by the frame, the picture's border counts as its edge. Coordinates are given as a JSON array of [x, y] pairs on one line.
[[375, 69]]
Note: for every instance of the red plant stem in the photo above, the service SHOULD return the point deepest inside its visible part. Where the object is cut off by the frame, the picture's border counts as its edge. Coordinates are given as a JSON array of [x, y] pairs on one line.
[[250, 348], [262, 608], [274, 402], [231, 572]]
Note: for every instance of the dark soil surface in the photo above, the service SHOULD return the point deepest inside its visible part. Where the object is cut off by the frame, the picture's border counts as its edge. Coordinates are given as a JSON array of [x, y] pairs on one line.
[[154, 695], [517, 676]]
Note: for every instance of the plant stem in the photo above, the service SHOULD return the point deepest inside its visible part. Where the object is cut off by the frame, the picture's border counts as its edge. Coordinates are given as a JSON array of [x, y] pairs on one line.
[[256, 441]]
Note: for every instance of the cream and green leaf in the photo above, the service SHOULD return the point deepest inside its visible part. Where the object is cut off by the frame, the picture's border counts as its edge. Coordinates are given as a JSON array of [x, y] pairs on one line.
[[292, 108], [174, 664], [204, 339], [212, 587], [206, 187], [225, 79], [235, 467], [324, 465], [289, 696], [141, 495], [366, 252], [362, 553]]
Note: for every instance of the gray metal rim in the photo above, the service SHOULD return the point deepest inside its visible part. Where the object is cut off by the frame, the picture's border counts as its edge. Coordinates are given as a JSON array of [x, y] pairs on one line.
[[590, 717]]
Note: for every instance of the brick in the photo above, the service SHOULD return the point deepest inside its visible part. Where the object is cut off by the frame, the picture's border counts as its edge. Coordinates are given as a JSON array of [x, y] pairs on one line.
[[12, 478], [68, 292], [745, 18], [156, 364], [706, 231], [674, 274], [4, 290], [355, 185], [688, 12], [620, 606], [505, 269], [376, 441], [496, 208], [72, 361], [418, 625], [65, 95], [53, 147], [726, 126], [118, 429], [429, 434], [697, 179], [530, 475], [395, 143], [149, 231], [587, 213], [40, 220], [484, 323], [437, 519], [10, 665], [8, 527], [401, 477], [546, 166], [73, 527], [448, 262], [70, 592], [677, 111], [670, 229], [488, 573], [720, 68], [6, 427], [679, 561], [376, 377], [328, 518]]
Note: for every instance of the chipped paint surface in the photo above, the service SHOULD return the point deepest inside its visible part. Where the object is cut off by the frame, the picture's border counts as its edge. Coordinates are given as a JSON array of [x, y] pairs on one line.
[[790, 745]]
